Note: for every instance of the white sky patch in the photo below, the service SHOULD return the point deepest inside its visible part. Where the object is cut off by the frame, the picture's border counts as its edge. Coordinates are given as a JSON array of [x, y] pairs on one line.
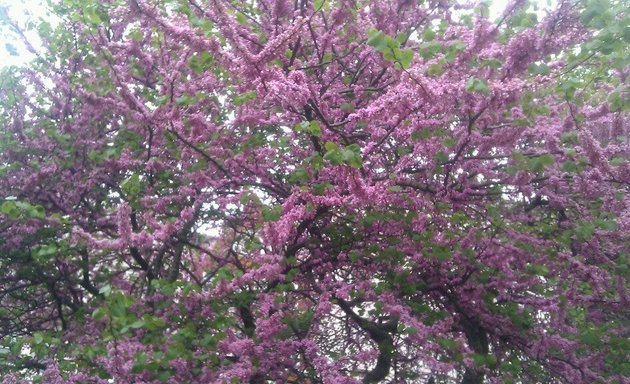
[[26, 14]]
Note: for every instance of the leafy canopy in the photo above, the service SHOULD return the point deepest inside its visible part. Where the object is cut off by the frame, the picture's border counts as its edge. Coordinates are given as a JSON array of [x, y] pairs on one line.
[[329, 191]]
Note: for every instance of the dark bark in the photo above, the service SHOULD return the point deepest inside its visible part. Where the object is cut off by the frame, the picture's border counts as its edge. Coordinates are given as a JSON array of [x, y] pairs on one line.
[[249, 325], [477, 338], [135, 252], [249, 328], [85, 269], [383, 363], [381, 335]]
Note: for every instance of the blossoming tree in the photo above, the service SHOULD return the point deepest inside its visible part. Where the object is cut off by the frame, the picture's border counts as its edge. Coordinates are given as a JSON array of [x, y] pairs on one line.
[[327, 191]]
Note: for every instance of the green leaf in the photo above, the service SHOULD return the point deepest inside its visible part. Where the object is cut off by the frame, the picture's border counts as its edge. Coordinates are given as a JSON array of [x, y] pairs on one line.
[[131, 185], [404, 150], [537, 269], [376, 39], [299, 176], [435, 70], [321, 188], [606, 225], [475, 85], [617, 102], [92, 15], [316, 161], [45, 250], [421, 134], [449, 142], [590, 338], [38, 338], [546, 160], [241, 18], [137, 324], [569, 166], [334, 156], [354, 148], [429, 34], [585, 231], [453, 49], [617, 161], [391, 53], [347, 107], [484, 360], [569, 138], [185, 100], [163, 376], [330, 146], [351, 155], [539, 163], [353, 159], [430, 48], [440, 252], [199, 165], [539, 69], [314, 128], [272, 213], [10, 209], [106, 290], [37, 211], [318, 5], [244, 98], [448, 344], [405, 58], [441, 157], [291, 274], [98, 313]]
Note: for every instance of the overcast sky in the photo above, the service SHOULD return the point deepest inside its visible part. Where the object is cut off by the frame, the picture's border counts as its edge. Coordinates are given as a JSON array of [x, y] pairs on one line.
[[12, 51]]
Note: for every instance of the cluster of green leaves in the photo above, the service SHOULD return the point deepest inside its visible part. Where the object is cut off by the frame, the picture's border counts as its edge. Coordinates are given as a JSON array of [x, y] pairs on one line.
[[390, 47], [16, 209], [442, 52], [310, 127], [178, 337], [535, 164], [477, 86], [596, 59], [350, 155], [603, 337]]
